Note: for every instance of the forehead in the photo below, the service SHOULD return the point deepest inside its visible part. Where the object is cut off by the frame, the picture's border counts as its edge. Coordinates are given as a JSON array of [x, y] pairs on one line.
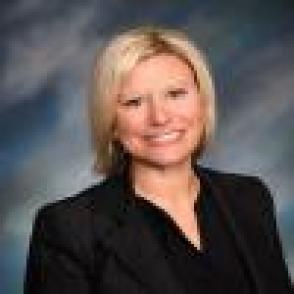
[[159, 69]]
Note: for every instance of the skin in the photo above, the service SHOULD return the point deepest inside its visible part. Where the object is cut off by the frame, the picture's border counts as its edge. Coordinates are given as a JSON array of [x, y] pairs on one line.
[[159, 121]]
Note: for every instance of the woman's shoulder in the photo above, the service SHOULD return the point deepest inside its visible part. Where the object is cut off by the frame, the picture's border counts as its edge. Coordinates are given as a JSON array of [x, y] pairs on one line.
[[77, 209], [245, 187], [230, 178], [68, 223]]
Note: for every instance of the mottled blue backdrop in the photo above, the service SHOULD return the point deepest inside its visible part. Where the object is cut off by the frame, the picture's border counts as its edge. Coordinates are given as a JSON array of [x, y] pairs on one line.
[[45, 54]]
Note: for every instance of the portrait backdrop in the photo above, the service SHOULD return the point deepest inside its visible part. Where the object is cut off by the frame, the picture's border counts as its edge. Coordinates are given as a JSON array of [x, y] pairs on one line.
[[47, 49]]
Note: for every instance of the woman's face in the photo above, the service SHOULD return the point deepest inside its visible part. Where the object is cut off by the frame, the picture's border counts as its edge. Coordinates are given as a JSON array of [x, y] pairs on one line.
[[159, 114]]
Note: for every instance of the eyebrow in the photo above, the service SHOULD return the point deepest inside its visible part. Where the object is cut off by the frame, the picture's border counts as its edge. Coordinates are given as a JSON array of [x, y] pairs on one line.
[[173, 83]]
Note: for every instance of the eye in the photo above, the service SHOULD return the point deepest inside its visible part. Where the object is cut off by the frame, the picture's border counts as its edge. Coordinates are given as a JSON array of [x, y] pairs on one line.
[[177, 93], [132, 102]]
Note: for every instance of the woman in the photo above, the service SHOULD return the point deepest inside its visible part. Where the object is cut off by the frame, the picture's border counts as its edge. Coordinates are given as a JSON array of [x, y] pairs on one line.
[[158, 223]]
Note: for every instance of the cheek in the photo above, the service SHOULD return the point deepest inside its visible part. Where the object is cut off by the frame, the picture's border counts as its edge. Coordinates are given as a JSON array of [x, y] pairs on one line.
[[192, 114], [128, 126]]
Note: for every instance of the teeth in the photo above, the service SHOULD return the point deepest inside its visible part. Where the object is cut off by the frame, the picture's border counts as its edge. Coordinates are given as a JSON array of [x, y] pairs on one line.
[[170, 136]]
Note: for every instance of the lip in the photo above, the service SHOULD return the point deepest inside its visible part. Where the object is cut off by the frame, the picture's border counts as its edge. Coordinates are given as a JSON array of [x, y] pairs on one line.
[[165, 137]]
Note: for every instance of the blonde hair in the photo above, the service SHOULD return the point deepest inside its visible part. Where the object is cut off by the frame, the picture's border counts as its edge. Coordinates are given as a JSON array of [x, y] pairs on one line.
[[112, 64]]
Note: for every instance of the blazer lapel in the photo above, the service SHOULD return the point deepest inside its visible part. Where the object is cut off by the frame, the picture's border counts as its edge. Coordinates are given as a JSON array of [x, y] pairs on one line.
[[122, 231], [238, 238]]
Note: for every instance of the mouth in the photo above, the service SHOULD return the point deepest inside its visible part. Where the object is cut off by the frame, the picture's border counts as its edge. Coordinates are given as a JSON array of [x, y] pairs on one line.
[[164, 137]]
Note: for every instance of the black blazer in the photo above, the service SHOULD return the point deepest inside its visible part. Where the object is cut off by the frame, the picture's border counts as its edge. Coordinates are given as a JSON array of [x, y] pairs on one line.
[[94, 242]]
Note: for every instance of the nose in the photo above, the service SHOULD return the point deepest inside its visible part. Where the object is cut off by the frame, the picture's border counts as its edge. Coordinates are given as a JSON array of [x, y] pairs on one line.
[[158, 112]]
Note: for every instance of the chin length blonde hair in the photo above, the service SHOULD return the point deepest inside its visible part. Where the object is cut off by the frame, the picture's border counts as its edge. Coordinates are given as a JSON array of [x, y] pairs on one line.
[[113, 63]]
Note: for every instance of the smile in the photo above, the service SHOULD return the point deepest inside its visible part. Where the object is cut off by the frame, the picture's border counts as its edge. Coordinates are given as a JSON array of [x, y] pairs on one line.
[[165, 137]]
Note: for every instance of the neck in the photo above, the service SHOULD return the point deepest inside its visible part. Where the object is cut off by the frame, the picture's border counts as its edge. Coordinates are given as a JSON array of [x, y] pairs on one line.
[[177, 185]]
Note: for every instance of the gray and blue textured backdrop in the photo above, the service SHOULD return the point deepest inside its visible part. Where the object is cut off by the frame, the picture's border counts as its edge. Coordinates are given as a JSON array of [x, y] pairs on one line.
[[45, 54]]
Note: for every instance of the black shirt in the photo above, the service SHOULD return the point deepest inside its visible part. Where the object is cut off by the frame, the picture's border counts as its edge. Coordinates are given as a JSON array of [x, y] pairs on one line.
[[215, 268]]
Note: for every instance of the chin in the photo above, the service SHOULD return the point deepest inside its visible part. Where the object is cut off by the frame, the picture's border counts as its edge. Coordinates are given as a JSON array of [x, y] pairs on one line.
[[163, 160]]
